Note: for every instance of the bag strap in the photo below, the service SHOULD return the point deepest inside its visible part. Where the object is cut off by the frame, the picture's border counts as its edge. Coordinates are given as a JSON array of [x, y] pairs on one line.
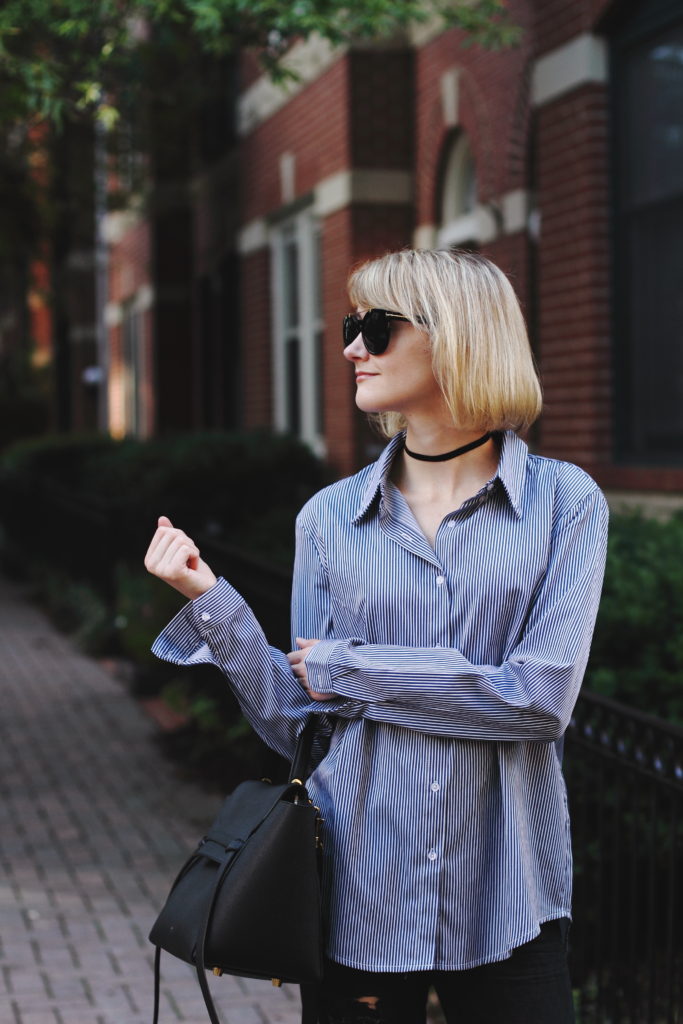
[[203, 932], [302, 753], [157, 982]]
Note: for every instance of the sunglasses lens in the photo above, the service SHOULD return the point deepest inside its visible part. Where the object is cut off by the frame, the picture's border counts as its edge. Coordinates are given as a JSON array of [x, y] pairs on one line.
[[374, 327], [376, 331], [351, 329]]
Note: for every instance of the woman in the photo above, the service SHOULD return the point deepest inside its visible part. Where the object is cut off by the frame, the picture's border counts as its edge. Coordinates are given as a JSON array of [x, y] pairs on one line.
[[444, 600]]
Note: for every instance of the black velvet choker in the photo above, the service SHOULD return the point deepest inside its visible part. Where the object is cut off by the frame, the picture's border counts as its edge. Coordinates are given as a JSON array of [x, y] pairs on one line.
[[448, 455]]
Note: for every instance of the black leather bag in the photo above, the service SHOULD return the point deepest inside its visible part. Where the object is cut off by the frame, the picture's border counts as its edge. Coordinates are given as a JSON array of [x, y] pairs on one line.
[[247, 901]]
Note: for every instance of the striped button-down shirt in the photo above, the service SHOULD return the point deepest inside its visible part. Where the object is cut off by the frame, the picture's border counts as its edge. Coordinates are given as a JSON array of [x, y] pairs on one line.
[[455, 669]]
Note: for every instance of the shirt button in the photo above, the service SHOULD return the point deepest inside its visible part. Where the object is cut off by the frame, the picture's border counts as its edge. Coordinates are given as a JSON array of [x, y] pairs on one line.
[[205, 616], [451, 524], [406, 536], [432, 855], [435, 787], [440, 580]]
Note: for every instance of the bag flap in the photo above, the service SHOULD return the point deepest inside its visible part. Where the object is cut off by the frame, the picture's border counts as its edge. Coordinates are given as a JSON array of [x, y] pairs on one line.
[[244, 810]]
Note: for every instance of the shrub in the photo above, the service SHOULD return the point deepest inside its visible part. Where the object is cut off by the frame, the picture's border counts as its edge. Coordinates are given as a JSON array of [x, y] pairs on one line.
[[75, 608], [80, 511], [637, 654]]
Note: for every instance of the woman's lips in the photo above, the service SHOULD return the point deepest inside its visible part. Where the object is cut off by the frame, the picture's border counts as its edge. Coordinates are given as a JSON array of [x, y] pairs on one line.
[[362, 376]]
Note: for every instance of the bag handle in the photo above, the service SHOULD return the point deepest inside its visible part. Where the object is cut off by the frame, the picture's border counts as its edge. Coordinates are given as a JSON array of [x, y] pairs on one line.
[[302, 753]]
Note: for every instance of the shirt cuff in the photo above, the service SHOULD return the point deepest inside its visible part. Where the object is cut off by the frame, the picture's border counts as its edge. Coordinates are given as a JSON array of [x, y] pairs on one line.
[[215, 607], [319, 659]]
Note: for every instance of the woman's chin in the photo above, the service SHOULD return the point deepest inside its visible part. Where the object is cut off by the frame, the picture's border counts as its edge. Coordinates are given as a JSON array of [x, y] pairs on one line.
[[365, 404]]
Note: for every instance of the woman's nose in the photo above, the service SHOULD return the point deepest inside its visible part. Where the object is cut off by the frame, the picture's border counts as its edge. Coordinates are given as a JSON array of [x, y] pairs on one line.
[[356, 349]]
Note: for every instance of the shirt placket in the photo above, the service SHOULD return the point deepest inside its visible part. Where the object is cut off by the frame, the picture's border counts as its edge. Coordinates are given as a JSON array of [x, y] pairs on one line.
[[434, 777]]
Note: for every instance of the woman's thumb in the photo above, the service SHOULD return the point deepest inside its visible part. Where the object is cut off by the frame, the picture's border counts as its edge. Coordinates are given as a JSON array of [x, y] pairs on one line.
[[164, 521]]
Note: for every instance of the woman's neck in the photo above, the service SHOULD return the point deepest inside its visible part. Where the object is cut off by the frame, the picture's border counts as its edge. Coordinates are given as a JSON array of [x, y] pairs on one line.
[[456, 478]]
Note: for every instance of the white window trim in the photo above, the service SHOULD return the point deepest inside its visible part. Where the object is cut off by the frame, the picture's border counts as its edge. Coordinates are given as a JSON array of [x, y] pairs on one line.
[[478, 226], [305, 227]]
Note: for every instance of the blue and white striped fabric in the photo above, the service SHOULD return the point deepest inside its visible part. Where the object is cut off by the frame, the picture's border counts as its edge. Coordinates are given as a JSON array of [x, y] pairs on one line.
[[455, 670]]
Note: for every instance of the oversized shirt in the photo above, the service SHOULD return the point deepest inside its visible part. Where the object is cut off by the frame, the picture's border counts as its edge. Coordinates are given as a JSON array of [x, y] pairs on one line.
[[455, 669]]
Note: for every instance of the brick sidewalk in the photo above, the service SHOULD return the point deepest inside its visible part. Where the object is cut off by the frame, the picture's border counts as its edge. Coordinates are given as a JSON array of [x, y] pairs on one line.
[[93, 827]]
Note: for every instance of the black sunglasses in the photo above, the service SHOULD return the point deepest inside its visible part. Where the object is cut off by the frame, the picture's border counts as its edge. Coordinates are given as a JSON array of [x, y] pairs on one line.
[[373, 327]]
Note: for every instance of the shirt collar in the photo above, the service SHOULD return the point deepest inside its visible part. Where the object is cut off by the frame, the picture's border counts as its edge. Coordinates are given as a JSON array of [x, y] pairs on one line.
[[511, 471], [379, 474], [512, 468]]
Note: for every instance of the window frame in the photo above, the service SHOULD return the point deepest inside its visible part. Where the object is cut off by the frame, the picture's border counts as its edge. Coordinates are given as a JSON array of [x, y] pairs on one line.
[[302, 227]]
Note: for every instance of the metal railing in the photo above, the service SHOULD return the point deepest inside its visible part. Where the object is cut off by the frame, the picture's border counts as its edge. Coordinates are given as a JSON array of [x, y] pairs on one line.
[[624, 773]]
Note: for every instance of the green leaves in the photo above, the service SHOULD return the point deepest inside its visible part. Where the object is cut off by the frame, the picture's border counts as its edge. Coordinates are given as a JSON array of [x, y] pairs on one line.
[[637, 654], [71, 56]]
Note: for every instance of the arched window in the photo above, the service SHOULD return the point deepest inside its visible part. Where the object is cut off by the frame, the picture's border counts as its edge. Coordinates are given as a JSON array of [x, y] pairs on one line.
[[459, 191], [462, 221]]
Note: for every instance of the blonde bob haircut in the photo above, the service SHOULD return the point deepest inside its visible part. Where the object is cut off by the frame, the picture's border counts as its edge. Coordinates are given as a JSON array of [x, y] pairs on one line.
[[480, 349]]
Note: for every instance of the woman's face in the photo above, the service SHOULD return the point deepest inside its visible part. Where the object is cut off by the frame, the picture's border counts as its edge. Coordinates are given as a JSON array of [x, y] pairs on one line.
[[401, 379]]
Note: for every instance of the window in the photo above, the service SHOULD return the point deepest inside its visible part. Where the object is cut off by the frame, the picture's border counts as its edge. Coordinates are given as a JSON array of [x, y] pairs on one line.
[[459, 194], [463, 222], [298, 335], [647, 81]]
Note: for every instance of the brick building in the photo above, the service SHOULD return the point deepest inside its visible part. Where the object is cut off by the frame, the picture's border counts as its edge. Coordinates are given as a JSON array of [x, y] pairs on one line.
[[561, 159]]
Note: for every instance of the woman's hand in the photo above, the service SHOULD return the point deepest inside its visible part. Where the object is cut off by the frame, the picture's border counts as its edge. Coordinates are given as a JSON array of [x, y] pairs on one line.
[[174, 558], [297, 659]]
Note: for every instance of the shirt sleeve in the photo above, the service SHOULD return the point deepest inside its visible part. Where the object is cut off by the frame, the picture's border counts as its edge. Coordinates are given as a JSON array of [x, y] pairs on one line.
[[530, 696], [219, 628]]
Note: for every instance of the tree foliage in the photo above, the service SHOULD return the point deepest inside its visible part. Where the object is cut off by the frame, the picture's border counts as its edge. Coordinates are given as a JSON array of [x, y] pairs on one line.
[[62, 58]]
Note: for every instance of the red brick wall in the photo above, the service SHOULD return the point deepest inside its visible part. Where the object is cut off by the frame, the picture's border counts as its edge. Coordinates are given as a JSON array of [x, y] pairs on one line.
[[493, 110], [381, 98], [129, 263], [350, 236], [314, 126], [574, 277], [558, 21], [341, 416], [257, 389]]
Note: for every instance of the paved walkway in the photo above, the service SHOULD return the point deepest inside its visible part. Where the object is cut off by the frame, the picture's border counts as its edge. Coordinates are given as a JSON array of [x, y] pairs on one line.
[[93, 827]]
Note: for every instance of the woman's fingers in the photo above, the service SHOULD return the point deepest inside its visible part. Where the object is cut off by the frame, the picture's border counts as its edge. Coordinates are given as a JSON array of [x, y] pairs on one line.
[[175, 558], [297, 661], [165, 545], [306, 643]]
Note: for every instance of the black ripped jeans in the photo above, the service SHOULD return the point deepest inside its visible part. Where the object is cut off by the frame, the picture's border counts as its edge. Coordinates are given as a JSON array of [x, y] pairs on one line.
[[531, 987]]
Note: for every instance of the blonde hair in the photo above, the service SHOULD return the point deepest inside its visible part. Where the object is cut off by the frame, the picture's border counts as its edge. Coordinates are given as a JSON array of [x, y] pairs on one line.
[[480, 348]]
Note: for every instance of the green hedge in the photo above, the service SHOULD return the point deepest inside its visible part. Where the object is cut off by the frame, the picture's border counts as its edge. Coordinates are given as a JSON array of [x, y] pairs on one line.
[[637, 653], [244, 488], [78, 512]]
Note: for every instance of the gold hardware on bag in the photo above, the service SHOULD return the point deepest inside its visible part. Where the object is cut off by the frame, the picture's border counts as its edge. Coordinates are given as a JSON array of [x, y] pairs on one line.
[[218, 971], [277, 982], [296, 782]]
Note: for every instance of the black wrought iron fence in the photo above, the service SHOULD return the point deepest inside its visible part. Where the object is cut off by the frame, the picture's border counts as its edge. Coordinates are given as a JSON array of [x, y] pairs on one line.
[[624, 774]]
